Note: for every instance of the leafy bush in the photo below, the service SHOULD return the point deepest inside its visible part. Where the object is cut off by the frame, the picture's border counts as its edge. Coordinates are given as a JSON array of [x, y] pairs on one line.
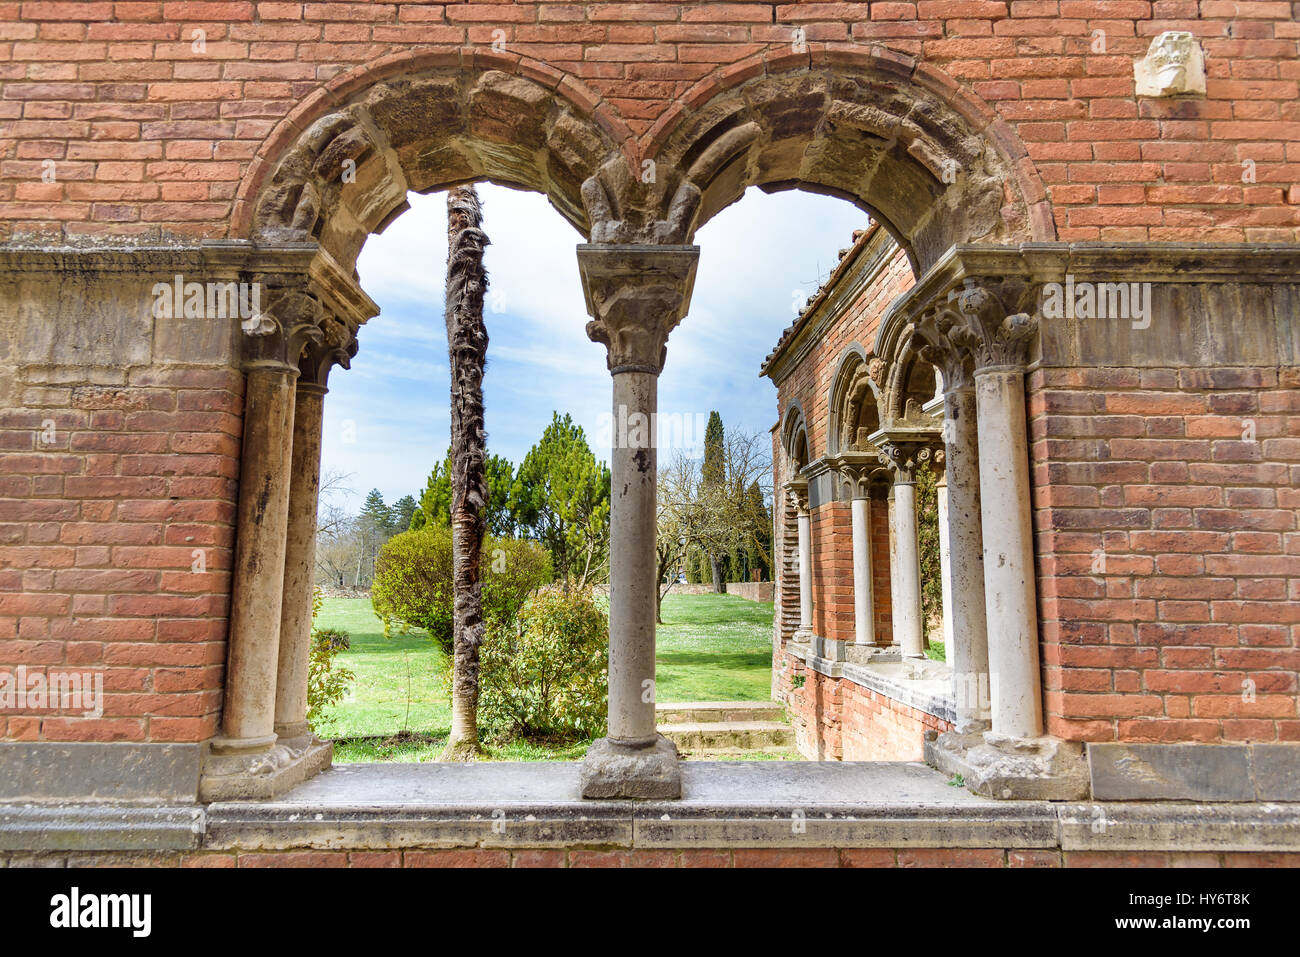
[[927, 535], [546, 673], [326, 682], [413, 588]]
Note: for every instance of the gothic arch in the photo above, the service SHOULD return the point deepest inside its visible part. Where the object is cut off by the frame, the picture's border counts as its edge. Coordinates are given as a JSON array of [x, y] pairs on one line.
[[926, 159]]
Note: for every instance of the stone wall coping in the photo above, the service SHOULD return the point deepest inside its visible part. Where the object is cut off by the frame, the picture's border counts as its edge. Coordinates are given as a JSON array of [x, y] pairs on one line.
[[795, 804], [932, 695]]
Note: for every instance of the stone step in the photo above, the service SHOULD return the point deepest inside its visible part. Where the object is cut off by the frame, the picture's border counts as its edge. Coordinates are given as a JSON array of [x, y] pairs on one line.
[[742, 754], [688, 712], [743, 735]]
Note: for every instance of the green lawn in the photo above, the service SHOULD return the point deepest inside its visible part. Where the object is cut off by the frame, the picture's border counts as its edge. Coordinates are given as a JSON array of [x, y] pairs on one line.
[[710, 648]]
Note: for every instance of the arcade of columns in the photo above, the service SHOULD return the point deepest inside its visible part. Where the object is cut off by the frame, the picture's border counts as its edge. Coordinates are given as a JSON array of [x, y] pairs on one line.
[[636, 294], [981, 458]]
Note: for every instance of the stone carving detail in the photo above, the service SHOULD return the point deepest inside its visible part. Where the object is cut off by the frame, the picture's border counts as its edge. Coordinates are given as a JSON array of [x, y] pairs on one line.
[[932, 342], [1174, 64], [291, 321], [636, 297], [904, 457], [798, 495], [878, 372], [990, 328], [611, 221]]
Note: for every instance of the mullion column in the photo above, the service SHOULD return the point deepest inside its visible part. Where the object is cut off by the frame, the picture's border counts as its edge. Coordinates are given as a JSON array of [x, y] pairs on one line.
[[635, 294]]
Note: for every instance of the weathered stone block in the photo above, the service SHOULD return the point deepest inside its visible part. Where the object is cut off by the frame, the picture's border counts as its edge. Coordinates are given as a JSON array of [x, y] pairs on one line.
[[1170, 772]]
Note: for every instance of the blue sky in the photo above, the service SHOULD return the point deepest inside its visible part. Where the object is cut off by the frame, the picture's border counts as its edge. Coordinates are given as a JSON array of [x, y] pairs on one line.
[[386, 418]]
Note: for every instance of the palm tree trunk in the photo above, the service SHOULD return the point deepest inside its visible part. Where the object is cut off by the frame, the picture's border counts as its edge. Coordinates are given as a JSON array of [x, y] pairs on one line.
[[467, 342]]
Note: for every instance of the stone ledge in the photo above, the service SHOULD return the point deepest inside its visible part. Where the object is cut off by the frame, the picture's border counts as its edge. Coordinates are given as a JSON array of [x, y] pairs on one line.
[[725, 805], [1194, 772], [117, 772], [97, 827]]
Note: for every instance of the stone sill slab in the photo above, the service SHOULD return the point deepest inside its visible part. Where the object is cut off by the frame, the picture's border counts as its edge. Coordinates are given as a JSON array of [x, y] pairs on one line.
[[786, 805], [933, 695]]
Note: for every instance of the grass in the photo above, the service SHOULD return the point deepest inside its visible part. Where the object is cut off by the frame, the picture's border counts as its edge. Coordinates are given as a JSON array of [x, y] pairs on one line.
[[710, 648]]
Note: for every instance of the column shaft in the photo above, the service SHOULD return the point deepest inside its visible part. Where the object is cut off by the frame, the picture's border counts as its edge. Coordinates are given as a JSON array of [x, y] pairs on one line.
[[864, 631], [631, 565], [907, 612], [968, 655], [805, 571], [1009, 584], [299, 563], [248, 716]]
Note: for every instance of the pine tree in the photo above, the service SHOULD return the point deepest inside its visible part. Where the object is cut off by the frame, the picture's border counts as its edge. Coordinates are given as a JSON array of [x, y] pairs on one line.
[[714, 472]]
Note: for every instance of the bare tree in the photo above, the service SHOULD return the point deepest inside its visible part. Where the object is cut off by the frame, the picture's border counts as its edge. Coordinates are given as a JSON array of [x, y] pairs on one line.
[[467, 342]]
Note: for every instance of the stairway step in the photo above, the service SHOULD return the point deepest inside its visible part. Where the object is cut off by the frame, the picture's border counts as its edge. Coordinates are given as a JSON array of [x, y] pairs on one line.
[[689, 712], [744, 735]]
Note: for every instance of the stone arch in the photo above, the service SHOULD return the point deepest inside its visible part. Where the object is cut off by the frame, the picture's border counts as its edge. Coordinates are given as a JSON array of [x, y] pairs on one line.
[[853, 403], [795, 444], [339, 167], [929, 161], [905, 379]]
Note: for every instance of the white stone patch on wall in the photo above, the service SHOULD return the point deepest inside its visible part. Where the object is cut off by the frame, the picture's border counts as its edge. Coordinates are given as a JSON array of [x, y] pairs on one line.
[[1174, 64]]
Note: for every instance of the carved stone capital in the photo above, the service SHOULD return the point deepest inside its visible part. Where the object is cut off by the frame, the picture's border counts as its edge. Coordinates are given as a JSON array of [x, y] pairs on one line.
[[318, 358], [992, 327], [289, 322], [905, 454], [859, 473], [933, 341], [636, 295], [797, 491]]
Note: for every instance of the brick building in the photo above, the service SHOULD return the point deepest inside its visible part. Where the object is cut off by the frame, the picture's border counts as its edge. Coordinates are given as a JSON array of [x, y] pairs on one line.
[[1136, 590]]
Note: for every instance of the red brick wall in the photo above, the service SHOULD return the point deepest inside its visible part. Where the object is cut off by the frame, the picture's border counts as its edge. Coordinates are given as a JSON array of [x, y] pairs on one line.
[[1190, 630], [98, 532], [153, 139]]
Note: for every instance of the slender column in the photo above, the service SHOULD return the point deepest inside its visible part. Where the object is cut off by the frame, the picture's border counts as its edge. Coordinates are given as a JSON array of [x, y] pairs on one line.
[[945, 553], [968, 654], [636, 295], [854, 479], [905, 574], [248, 715], [299, 563], [864, 631], [804, 520], [999, 345]]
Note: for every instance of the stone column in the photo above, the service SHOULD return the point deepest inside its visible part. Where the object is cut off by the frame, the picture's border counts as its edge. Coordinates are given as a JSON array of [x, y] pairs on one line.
[[300, 545], [999, 344], [904, 457], [244, 759], [798, 492], [635, 294], [968, 655], [945, 552], [854, 483]]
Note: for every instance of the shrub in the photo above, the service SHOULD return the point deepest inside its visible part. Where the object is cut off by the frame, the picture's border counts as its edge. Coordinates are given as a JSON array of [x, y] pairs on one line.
[[413, 589], [326, 682], [546, 672]]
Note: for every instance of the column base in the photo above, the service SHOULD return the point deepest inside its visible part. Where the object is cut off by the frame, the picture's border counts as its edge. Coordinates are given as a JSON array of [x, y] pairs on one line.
[[241, 774], [613, 770], [999, 766]]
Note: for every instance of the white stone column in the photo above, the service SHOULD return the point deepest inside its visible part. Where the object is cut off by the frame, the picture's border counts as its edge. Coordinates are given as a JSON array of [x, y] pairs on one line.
[[904, 456], [799, 495], [945, 554], [864, 628], [1000, 344], [635, 294]]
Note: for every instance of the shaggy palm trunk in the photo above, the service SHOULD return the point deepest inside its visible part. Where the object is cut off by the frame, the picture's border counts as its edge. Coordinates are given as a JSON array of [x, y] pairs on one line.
[[467, 342]]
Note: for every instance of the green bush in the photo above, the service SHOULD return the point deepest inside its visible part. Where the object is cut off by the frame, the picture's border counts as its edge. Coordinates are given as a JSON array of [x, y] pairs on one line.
[[412, 587], [326, 682], [546, 673]]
